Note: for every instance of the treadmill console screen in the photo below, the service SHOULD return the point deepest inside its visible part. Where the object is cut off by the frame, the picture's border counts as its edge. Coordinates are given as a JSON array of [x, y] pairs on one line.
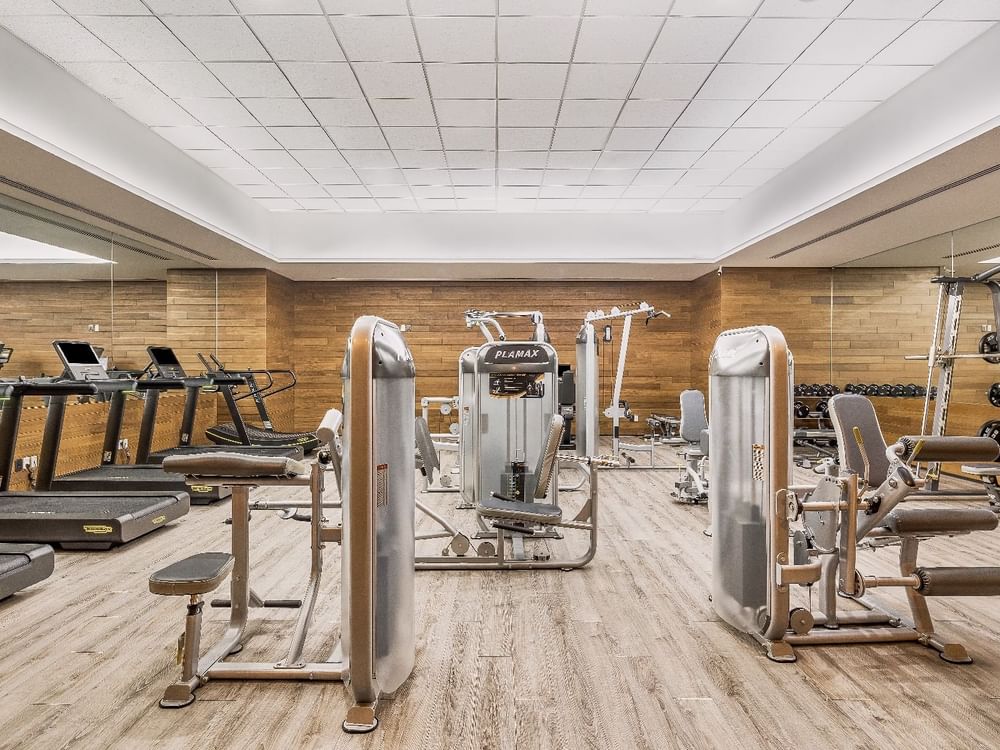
[[165, 362], [81, 360]]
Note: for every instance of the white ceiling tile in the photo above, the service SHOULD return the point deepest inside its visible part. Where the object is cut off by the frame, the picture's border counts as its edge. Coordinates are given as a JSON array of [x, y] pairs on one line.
[[610, 39], [631, 8], [191, 7], [183, 79], [799, 9], [216, 38], [242, 176], [155, 109], [601, 81], [412, 138], [318, 158], [334, 176], [518, 139], [398, 204], [301, 137], [468, 138], [241, 138], [621, 159], [437, 204], [279, 111], [650, 113], [808, 82], [381, 176], [540, 7], [930, 42], [834, 114], [270, 159], [746, 139], [472, 81], [687, 191], [263, 7], [453, 7], [574, 159], [322, 79], [190, 137], [566, 176], [580, 139], [427, 176], [279, 204], [619, 177], [471, 159], [877, 82], [115, 80], [218, 111], [658, 177], [730, 191], [673, 205], [560, 191], [457, 39], [505, 192], [138, 37], [630, 139], [594, 205], [305, 191], [478, 192], [30, 8], [390, 191], [602, 191], [672, 159], [695, 40], [691, 139], [288, 176], [60, 37], [472, 177], [537, 39], [299, 38], [370, 158], [360, 205], [320, 204], [670, 81], [712, 113], [644, 191], [639, 205], [852, 41], [365, 7], [429, 192], [524, 159], [252, 78], [104, 7], [889, 8], [774, 40], [528, 112], [714, 7], [346, 191], [589, 112], [965, 10], [713, 204], [773, 114], [403, 112], [740, 80], [388, 80], [704, 177], [466, 112], [218, 158], [529, 81], [350, 137], [724, 160], [554, 205], [376, 38]]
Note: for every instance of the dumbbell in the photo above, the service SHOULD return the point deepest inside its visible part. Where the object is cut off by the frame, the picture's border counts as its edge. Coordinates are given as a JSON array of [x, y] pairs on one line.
[[933, 391], [871, 389], [800, 409], [898, 390], [911, 390], [815, 390], [885, 390], [993, 394], [823, 408]]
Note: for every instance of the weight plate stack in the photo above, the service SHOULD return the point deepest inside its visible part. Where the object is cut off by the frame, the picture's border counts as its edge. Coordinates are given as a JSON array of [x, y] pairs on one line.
[[988, 344], [994, 394], [991, 429]]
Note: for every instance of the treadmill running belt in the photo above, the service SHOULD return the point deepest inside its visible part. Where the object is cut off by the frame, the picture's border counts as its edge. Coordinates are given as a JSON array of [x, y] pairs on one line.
[[97, 505], [226, 433]]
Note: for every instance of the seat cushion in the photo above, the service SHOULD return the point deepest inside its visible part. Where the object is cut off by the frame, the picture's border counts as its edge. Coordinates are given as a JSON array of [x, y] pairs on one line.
[[197, 574], [940, 520], [241, 465], [494, 507]]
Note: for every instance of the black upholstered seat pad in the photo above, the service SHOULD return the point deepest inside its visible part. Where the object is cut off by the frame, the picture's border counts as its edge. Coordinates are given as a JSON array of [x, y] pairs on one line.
[[235, 464], [204, 566]]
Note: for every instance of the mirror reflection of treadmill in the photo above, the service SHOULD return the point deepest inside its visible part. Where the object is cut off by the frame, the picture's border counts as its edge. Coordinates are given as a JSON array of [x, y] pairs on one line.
[[83, 365], [90, 519], [165, 364]]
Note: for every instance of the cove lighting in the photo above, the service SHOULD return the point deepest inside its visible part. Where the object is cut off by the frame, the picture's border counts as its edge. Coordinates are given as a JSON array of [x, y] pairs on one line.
[[15, 249], [991, 261]]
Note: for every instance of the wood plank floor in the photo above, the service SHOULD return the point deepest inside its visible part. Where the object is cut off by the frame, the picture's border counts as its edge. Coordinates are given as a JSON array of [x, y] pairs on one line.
[[626, 653]]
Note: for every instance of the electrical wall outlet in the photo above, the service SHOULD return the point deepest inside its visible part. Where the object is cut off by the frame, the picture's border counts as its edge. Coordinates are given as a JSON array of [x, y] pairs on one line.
[[123, 444], [94, 328], [986, 328]]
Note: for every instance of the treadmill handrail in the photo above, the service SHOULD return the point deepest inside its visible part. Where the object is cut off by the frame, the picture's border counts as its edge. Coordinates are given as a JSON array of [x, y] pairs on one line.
[[60, 388]]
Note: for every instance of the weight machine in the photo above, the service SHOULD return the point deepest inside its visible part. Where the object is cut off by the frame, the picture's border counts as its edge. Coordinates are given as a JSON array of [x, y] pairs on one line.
[[443, 441], [588, 383]]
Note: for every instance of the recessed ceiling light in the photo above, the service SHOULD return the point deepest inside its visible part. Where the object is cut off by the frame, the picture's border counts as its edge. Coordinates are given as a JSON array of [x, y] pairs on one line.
[[15, 249]]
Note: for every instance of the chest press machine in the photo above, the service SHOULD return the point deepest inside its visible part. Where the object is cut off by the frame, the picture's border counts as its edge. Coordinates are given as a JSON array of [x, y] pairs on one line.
[[377, 647], [771, 537]]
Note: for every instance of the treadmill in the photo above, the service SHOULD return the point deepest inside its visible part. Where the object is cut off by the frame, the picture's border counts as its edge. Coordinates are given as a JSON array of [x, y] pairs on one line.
[[238, 432], [82, 364], [22, 565], [164, 365], [72, 520]]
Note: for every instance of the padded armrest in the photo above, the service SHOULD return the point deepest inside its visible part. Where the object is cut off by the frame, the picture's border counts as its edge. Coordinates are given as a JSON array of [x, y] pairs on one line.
[[241, 465], [939, 520], [951, 448]]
